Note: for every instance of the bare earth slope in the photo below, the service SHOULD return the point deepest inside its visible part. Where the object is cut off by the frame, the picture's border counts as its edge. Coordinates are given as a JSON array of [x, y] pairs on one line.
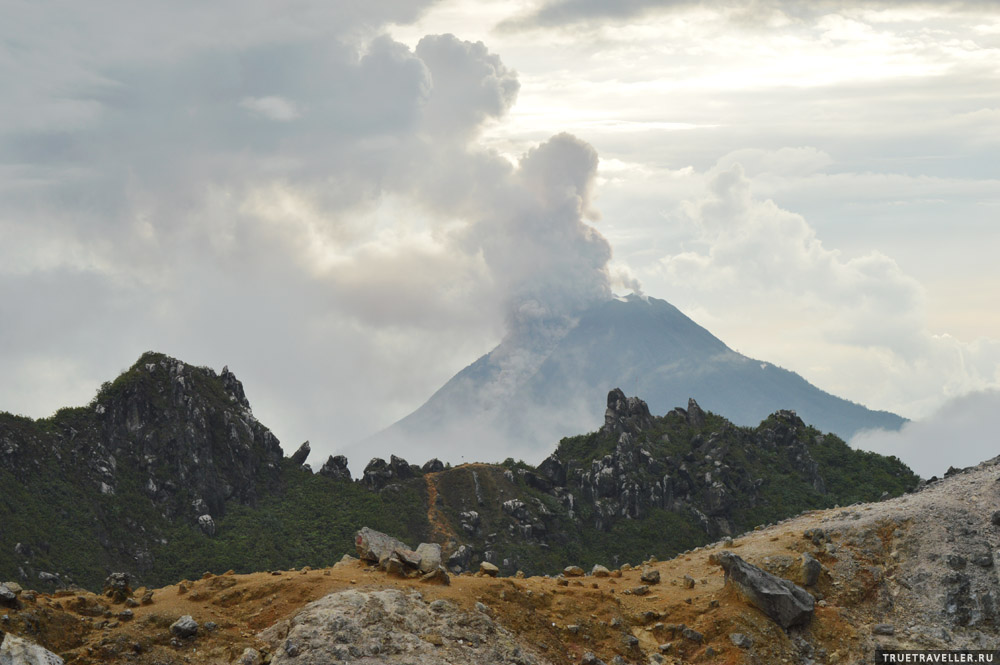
[[917, 571]]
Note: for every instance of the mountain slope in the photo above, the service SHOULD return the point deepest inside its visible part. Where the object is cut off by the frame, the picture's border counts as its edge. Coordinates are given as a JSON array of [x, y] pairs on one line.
[[167, 474], [533, 389]]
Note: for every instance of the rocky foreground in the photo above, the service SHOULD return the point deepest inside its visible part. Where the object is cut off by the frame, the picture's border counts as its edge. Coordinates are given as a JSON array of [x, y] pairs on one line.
[[824, 587]]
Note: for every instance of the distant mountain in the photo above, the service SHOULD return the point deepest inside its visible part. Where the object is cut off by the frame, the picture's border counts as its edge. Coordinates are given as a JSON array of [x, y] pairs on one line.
[[536, 387]]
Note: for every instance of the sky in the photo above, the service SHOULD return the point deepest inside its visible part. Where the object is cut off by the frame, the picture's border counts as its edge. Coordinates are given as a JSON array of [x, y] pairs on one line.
[[347, 203]]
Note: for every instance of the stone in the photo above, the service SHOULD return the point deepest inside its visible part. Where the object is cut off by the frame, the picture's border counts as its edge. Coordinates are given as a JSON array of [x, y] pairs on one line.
[[7, 597], [184, 627], [377, 474], [335, 467], [116, 587], [19, 651], [206, 524], [250, 657], [740, 640], [784, 602], [487, 568], [590, 659], [126, 615], [640, 590], [147, 598], [692, 634], [688, 582], [625, 414], [374, 546], [883, 629], [573, 571], [299, 456], [430, 557], [433, 465], [811, 569], [437, 576], [650, 576], [695, 415], [393, 626], [630, 641], [995, 518], [600, 571]]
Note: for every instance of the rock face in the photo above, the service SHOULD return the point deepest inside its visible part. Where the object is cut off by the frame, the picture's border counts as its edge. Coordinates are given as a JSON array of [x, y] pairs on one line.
[[625, 414], [299, 456], [19, 651], [784, 602], [393, 628], [336, 467], [179, 438]]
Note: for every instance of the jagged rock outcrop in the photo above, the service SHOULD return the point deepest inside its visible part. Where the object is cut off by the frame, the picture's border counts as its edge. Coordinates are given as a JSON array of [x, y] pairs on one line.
[[299, 456], [433, 465], [625, 414], [393, 627], [783, 601], [379, 473], [336, 467], [164, 438]]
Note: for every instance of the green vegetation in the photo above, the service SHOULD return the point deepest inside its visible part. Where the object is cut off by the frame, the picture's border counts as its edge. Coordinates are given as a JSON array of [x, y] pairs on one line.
[[673, 487]]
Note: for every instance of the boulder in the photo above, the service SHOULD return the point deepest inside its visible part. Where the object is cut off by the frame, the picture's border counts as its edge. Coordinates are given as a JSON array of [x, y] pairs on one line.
[[250, 657], [206, 524], [7, 596], [377, 474], [375, 546], [740, 640], [184, 627], [650, 576], [573, 571], [600, 571], [430, 557], [400, 468], [810, 569], [116, 587], [487, 568], [300, 455], [432, 466], [784, 602], [335, 467], [19, 651]]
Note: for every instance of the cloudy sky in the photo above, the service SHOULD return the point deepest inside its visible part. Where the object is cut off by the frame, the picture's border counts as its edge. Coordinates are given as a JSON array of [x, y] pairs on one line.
[[349, 202]]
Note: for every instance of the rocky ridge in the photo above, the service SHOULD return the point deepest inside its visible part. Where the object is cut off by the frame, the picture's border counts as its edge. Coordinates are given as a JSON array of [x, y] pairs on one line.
[[167, 472], [867, 576]]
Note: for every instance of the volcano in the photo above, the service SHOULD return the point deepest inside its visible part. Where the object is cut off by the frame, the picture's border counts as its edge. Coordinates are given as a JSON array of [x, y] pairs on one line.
[[534, 388]]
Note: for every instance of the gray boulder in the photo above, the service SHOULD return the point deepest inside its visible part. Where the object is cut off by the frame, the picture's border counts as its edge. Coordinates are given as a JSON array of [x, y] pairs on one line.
[[392, 555], [784, 602], [811, 569], [375, 546], [184, 627], [19, 651], [430, 557], [7, 596]]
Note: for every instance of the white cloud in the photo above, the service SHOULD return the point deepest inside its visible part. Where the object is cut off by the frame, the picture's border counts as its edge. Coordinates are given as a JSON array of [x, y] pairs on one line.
[[961, 433], [762, 270], [275, 108]]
